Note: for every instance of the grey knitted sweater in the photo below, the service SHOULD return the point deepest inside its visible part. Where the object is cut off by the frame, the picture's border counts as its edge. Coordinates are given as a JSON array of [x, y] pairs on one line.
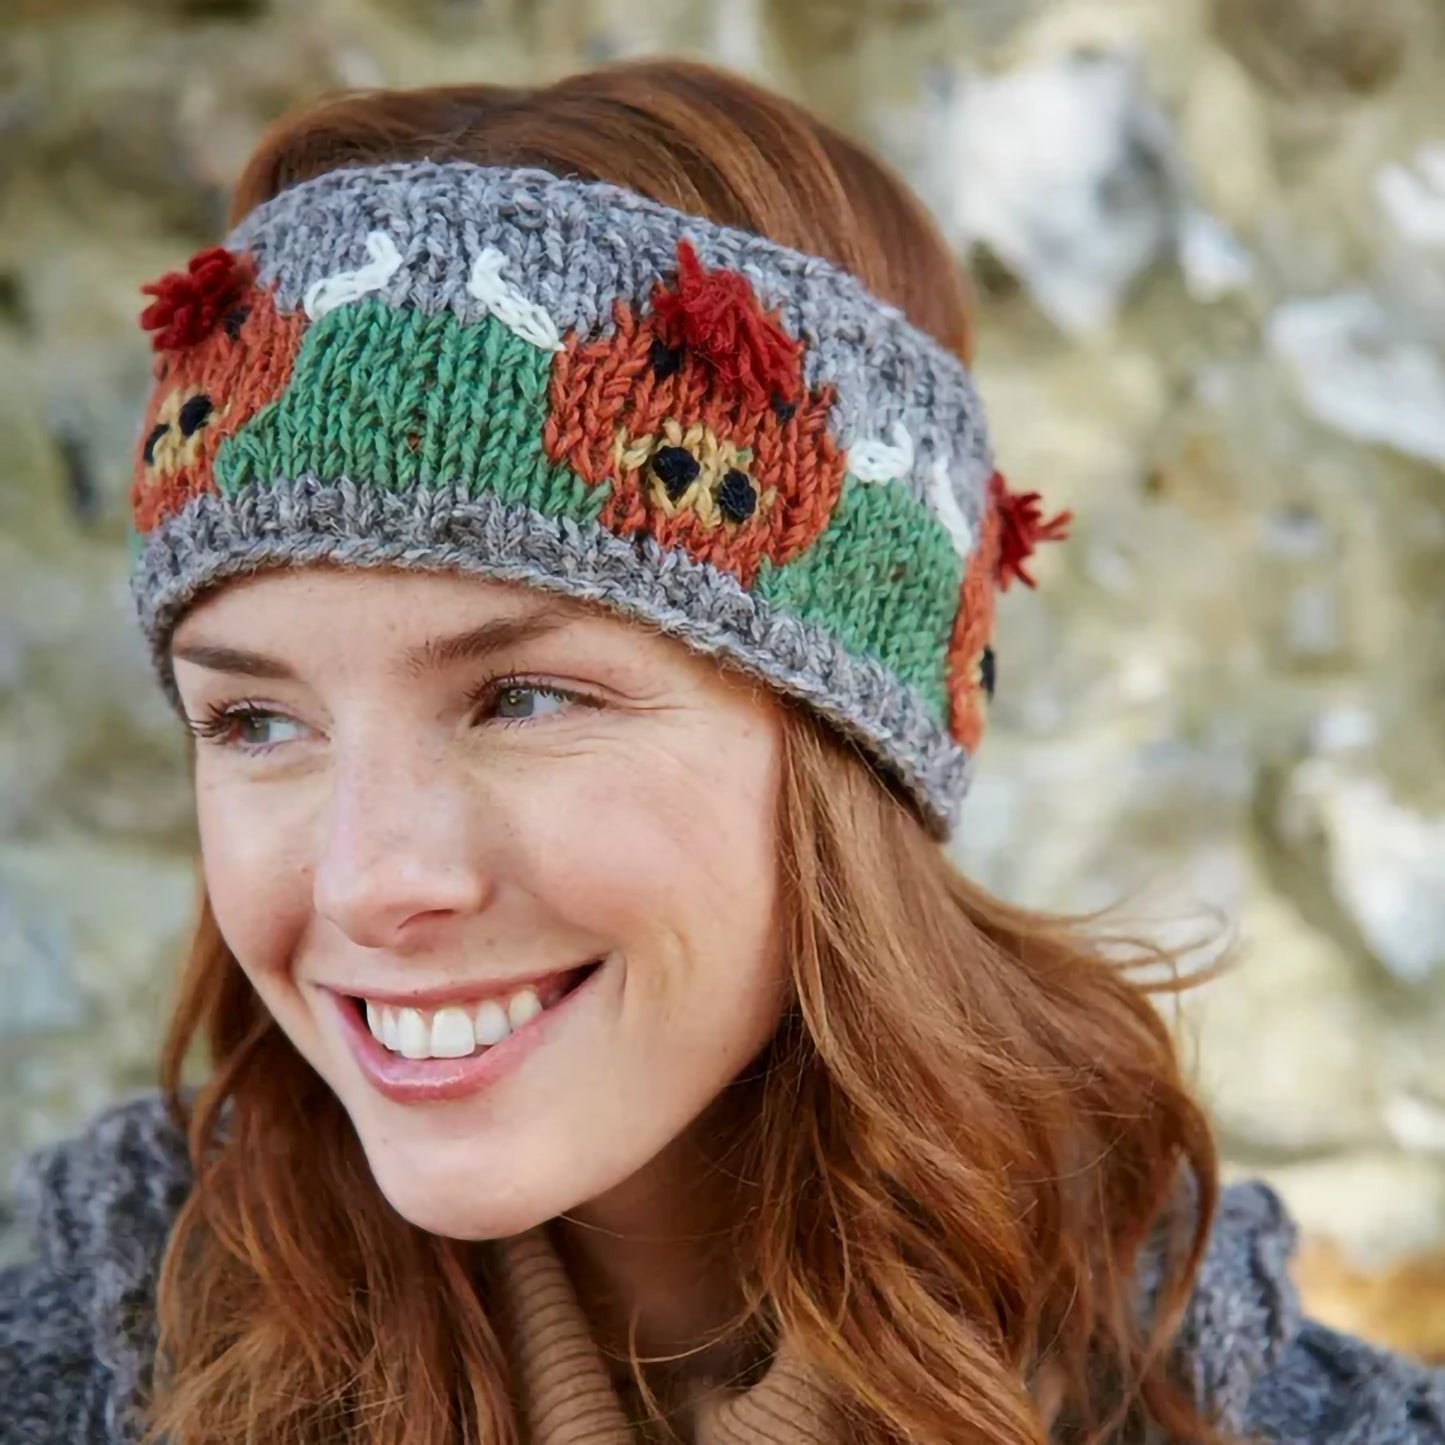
[[76, 1322]]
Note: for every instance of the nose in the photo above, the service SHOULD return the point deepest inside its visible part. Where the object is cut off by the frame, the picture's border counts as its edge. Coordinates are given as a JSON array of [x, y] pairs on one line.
[[399, 852]]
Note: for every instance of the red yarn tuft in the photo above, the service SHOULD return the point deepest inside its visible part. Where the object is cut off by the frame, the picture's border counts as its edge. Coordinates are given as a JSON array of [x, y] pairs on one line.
[[716, 314], [1021, 529], [189, 304]]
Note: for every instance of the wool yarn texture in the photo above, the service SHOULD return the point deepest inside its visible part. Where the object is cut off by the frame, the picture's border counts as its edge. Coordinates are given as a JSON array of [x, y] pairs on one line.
[[565, 384]]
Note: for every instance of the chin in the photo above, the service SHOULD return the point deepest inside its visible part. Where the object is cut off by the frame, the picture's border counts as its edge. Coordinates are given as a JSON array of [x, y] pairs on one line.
[[452, 1197]]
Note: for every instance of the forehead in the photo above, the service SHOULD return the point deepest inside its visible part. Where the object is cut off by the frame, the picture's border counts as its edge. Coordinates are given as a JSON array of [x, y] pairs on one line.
[[400, 596], [377, 609], [289, 620]]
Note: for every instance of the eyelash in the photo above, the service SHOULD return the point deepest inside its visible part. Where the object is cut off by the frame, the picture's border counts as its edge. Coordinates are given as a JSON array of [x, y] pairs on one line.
[[219, 719], [493, 687]]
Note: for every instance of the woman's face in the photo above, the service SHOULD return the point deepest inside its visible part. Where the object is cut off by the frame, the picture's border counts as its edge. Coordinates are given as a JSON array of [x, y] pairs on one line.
[[461, 802]]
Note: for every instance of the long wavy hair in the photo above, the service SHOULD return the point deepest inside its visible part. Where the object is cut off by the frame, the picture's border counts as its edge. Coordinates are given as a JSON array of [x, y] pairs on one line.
[[970, 1122]]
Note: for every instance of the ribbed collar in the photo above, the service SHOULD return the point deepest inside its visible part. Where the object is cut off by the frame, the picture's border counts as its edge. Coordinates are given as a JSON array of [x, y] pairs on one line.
[[568, 1397]]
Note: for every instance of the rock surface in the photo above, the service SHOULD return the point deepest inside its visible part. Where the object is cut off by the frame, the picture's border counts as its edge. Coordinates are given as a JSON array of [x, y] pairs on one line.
[[1210, 241]]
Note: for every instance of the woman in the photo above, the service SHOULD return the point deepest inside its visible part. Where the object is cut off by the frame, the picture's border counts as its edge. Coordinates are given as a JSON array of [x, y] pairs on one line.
[[582, 607]]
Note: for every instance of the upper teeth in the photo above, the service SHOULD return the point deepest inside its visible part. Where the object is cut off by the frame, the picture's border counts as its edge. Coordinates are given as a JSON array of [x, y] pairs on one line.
[[452, 1032]]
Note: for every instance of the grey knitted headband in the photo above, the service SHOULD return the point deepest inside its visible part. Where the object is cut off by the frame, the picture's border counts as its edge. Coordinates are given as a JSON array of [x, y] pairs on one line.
[[562, 383]]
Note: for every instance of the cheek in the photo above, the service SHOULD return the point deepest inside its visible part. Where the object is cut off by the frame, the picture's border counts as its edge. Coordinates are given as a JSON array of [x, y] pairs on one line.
[[667, 852], [256, 873]]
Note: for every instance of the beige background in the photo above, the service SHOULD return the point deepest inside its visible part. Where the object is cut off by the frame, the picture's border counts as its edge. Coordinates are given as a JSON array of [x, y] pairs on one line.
[[1210, 236]]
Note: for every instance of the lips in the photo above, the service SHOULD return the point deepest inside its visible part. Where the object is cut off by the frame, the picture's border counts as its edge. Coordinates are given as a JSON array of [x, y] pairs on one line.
[[395, 1045]]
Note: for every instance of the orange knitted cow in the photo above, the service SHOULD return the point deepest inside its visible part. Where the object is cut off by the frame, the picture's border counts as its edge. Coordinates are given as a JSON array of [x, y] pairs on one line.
[[223, 352], [698, 418], [1013, 527]]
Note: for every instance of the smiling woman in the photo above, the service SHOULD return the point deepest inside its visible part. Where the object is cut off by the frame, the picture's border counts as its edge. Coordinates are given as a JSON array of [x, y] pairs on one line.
[[509, 848], [566, 524]]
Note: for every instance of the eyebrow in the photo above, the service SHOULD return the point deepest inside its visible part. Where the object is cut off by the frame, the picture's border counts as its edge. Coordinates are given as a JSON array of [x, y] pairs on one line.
[[433, 655], [492, 636]]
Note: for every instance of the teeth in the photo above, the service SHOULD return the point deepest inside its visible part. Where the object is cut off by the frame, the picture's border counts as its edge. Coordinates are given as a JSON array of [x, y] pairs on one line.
[[451, 1032], [523, 1007], [491, 1023], [415, 1036]]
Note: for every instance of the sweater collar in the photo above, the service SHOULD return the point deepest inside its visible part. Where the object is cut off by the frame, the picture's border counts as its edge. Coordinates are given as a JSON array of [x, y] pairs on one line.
[[568, 1397]]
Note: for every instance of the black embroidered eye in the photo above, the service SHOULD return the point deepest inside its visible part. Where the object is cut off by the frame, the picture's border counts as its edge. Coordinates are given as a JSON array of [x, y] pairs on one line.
[[676, 468], [148, 452], [987, 671], [663, 359], [782, 409], [235, 320], [736, 498], [194, 415]]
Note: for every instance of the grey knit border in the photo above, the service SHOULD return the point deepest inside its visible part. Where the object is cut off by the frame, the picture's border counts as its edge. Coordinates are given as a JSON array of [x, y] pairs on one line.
[[576, 247], [446, 528]]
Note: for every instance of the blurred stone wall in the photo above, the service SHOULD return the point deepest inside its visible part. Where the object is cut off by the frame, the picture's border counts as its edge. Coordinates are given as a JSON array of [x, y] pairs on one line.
[[1209, 241]]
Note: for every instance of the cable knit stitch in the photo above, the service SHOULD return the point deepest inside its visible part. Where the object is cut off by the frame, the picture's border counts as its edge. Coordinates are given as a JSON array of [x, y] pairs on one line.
[[77, 1328]]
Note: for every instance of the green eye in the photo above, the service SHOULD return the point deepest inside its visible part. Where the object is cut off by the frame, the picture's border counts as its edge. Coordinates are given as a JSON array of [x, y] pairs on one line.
[[259, 729], [522, 703], [245, 729]]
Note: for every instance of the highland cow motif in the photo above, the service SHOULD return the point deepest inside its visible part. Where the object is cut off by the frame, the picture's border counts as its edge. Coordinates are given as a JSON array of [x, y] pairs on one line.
[[970, 665], [223, 353], [696, 417], [1014, 526]]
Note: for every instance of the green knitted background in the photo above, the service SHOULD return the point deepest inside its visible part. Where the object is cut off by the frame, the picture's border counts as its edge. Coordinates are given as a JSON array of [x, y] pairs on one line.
[[883, 579], [397, 398]]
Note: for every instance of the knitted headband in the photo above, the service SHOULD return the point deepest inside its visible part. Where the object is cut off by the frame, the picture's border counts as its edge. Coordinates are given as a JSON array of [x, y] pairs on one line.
[[562, 383]]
